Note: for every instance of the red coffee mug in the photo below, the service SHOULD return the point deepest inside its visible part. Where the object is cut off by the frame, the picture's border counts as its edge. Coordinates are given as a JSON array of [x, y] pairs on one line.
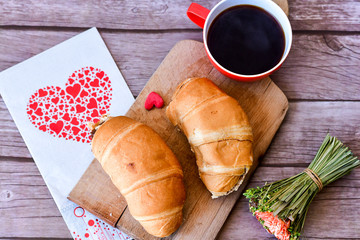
[[203, 17]]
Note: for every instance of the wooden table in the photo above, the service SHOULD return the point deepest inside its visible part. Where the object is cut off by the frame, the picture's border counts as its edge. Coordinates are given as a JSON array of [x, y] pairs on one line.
[[321, 78]]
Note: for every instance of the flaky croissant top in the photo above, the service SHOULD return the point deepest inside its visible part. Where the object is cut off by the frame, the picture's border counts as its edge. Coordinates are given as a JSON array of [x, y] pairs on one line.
[[145, 170], [218, 131]]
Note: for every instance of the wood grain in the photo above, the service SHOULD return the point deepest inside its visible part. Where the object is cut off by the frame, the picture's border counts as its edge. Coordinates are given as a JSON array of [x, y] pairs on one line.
[[305, 128], [26, 206], [264, 104], [11, 142], [321, 66], [36, 222], [333, 15]]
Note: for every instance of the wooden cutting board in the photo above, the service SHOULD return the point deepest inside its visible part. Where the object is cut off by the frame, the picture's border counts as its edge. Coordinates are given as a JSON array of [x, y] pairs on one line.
[[265, 105]]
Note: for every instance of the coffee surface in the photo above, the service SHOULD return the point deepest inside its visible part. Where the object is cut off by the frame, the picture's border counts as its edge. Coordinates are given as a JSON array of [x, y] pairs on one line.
[[246, 40]]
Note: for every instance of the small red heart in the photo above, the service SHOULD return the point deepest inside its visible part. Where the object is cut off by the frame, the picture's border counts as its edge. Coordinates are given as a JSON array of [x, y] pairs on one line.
[[100, 74], [55, 100], [75, 130], [66, 117], [80, 109], [71, 81], [54, 117], [73, 90], [80, 75], [33, 105], [95, 83], [42, 93], [86, 72], [153, 99], [57, 127], [39, 112], [84, 93], [74, 121], [95, 113], [92, 103]]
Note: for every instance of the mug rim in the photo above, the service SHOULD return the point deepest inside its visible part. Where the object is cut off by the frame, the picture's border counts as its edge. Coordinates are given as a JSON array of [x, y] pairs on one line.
[[238, 75]]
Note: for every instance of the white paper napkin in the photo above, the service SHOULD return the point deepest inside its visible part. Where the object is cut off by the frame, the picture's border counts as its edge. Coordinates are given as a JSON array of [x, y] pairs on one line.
[[51, 96]]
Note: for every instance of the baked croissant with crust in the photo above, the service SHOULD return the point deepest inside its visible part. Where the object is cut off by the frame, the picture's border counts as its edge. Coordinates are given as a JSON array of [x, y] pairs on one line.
[[218, 131], [144, 169]]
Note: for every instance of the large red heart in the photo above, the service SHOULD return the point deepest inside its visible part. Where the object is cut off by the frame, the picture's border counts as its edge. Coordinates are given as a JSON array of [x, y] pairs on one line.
[[64, 113]]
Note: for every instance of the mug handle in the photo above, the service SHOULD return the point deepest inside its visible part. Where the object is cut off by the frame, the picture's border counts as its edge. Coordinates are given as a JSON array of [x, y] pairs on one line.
[[198, 14]]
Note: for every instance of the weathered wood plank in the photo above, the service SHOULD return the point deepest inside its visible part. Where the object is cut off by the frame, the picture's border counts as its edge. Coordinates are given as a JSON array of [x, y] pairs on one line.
[[335, 15], [320, 66], [26, 206], [296, 142], [305, 127], [29, 210], [11, 142], [304, 15]]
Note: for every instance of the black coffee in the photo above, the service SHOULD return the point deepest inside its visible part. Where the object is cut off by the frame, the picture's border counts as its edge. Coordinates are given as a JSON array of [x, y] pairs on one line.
[[246, 40]]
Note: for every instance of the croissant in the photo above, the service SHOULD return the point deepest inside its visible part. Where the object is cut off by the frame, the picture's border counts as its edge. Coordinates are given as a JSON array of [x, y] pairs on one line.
[[145, 171], [218, 131]]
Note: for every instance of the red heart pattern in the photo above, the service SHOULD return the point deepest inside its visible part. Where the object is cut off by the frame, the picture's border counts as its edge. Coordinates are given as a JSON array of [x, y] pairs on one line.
[[64, 113]]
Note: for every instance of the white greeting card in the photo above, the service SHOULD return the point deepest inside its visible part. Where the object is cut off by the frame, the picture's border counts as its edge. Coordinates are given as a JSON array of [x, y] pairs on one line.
[[51, 97]]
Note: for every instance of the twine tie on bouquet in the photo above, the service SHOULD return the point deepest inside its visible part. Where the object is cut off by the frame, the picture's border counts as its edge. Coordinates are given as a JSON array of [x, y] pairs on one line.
[[314, 177]]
